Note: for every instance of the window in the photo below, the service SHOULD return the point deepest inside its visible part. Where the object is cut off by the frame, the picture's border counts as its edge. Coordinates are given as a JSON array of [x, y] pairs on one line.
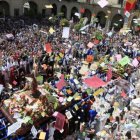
[[16, 12]]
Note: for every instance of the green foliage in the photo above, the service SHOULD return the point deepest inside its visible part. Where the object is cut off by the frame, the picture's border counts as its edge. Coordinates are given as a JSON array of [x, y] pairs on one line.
[[64, 22], [81, 20], [99, 35], [94, 20], [60, 14], [78, 26], [53, 19]]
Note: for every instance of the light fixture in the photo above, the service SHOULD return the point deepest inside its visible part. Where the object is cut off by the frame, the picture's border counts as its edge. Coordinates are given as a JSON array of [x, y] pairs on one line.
[[49, 6]]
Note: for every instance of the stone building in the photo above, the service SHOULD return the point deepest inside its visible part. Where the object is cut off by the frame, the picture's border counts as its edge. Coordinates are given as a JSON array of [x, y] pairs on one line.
[[111, 15]]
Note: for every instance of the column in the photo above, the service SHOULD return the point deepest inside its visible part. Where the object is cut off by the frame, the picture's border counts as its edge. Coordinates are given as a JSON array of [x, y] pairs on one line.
[[108, 21]]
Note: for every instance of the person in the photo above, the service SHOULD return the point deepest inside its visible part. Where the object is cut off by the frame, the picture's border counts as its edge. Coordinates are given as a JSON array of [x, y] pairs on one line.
[[50, 73], [34, 87], [90, 130], [51, 131], [44, 75], [2, 79]]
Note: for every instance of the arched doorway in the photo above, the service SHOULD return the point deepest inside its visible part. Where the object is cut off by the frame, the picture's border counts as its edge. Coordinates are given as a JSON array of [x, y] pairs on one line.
[[87, 14], [54, 9], [117, 22], [134, 24], [101, 16], [4, 9], [64, 11], [73, 11], [32, 11]]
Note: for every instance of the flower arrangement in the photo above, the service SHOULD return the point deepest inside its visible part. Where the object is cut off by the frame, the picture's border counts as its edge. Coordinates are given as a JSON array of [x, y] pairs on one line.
[[31, 111]]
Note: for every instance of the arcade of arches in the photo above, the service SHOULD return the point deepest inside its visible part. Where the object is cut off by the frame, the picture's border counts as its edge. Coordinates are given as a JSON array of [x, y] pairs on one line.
[[15, 7]]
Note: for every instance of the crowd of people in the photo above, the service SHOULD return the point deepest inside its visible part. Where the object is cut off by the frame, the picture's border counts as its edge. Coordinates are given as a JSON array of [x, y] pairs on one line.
[[110, 115]]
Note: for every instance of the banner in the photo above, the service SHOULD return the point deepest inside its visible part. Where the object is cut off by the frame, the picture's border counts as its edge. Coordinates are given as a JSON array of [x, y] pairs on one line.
[[125, 60], [98, 92], [66, 32], [103, 3], [90, 45]]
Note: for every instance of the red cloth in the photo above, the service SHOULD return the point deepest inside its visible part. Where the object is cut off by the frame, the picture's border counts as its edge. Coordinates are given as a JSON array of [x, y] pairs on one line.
[[94, 82], [61, 83], [129, 6], [48, 48], [60, 120]]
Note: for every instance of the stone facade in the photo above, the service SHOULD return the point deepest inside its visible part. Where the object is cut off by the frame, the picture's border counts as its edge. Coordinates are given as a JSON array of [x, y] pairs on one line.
[[116, 15]]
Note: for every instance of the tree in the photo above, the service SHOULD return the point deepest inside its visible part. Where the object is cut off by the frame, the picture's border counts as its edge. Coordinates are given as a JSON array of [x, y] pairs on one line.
[[64, 22]]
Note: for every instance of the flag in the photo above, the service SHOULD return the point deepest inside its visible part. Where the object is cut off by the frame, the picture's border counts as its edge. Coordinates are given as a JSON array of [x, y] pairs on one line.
[[130, 5]]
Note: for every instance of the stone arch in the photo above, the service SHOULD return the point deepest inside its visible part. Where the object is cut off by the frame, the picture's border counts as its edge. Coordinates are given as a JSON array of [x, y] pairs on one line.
[[134, 23], [33, 11], [64, 11], [4, 8], [54, 9], [117, 22], [101, 16], [73, 11], [87, 14]]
